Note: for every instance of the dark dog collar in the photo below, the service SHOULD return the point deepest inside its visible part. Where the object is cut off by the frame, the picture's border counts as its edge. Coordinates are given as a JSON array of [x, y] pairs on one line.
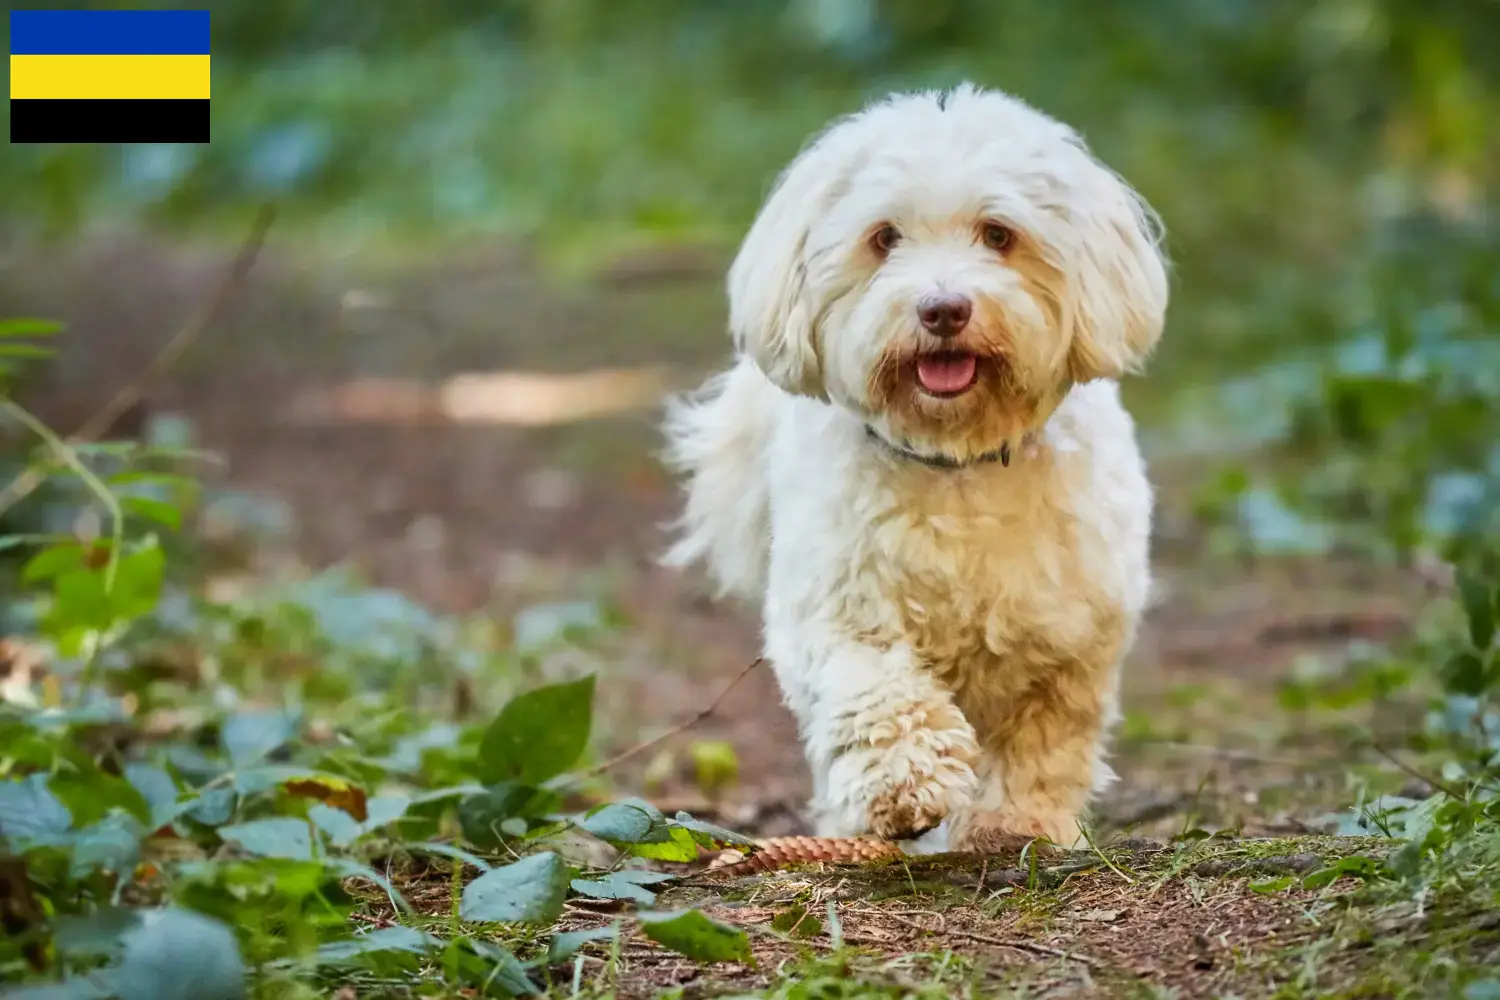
[[940, 461]]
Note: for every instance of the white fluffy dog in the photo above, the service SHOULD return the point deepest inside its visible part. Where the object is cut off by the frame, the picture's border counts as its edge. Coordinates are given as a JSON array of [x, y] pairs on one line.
[[921, 467]]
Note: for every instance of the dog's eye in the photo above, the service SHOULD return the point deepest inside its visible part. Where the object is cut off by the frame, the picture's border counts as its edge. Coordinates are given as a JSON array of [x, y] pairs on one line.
[[996, 236], [884, 240]]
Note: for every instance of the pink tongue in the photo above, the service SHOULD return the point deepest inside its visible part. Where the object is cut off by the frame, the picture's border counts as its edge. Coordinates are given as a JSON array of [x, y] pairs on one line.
[[945, 372]]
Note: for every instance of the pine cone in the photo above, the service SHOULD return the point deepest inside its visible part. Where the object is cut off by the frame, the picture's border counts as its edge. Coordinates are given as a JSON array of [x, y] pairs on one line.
[[779, 852]]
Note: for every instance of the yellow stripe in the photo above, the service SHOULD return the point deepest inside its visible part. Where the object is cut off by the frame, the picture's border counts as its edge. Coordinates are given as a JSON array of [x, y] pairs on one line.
[[122, 77]]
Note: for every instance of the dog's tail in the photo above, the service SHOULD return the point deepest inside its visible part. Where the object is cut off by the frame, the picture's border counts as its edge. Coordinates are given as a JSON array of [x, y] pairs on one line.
[[718, 437]]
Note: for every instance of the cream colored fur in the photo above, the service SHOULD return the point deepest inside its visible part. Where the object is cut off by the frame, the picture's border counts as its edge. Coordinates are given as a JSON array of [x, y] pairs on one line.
[[948, 639]]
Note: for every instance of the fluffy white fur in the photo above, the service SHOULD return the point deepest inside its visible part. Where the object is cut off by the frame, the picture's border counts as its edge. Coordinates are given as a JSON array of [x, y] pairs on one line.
[[949, 638]]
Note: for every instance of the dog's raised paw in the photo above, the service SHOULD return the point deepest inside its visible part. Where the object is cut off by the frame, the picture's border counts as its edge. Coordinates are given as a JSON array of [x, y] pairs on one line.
[[994, 832], [909, 785]]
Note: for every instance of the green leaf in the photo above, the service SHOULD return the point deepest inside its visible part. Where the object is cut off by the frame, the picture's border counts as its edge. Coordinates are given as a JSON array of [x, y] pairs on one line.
[[449, 851], [53, 562], [711, 836], [96, 935], [349, 868], [1320, 878], [716, 764], [680, 846], [152, 509], [384, 809], [138, 581], [482, 816], [539, 734], [530, 891], [566, 944], [29, 327], [628, 822], [158, 789], [111, 845], [160, 480], [450, 792], [26, 351], [611, 887], [643, 877], [342, 829], [489, 967], [214, 807], [796, 921], [251, 737], [1273, 884], [691, 933], [1478, 597], [90, 796], [386, 939], [8, 542], [250, 780], [180, 955], [278, 837], [1357, 865], [31, 815], [1464, 674]]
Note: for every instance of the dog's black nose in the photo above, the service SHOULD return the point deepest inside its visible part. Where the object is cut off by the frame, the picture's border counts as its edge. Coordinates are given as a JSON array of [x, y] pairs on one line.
[[945, 315]]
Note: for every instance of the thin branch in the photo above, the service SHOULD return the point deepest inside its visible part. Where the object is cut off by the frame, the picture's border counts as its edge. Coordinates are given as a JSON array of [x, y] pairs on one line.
[[645, 745], [187, 335], [1028, 946], [1412, 772], [66, 455]]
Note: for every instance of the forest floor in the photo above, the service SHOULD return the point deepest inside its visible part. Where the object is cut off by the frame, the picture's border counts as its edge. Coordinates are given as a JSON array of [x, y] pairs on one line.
[[1227, 782]]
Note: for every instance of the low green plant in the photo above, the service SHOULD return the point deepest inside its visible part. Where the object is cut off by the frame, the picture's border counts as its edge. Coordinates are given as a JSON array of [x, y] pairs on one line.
[[200, 799]]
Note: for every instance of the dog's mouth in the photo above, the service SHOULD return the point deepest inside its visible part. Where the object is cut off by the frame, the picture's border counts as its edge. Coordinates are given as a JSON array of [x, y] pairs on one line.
[[947, 374]]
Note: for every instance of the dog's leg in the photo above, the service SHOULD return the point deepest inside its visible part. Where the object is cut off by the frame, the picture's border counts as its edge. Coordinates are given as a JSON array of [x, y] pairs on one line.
[[1041, 766], [890, 752]]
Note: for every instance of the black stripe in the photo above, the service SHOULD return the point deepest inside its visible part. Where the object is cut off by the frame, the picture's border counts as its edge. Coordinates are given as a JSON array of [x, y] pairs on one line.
[[109, 121]]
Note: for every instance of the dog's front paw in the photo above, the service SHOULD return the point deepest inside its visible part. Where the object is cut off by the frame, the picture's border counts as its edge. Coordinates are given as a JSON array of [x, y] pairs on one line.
[[1006, 832], [911, 778]]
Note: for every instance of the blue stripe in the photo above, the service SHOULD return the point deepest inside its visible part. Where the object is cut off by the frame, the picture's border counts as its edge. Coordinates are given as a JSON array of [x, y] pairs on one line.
[[109, 33]]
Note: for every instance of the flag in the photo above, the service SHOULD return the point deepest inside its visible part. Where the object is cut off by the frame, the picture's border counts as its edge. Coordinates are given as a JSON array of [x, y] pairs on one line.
[[109, 76]]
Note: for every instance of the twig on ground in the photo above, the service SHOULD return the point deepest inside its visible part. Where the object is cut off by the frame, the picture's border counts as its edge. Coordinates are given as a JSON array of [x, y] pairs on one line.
[[645, 745], [130, 394], [1027, 946], [1412, 772]]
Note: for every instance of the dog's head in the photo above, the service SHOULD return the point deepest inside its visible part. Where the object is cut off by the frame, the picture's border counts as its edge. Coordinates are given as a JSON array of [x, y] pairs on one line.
[[948, 266]]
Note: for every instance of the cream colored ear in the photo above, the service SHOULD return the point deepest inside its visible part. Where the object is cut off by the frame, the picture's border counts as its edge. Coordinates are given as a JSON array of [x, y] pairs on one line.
[[771, 316], [1117, 281]]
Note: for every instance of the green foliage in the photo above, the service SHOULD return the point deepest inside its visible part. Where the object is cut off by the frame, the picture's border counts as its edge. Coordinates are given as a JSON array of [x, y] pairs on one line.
[[531, 891], [692, 934], [1391, 455], [211, 832], [16, 348], [539, 735]]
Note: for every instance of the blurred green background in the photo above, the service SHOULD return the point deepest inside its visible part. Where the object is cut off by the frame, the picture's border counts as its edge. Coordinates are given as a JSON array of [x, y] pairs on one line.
[[1326, 170]]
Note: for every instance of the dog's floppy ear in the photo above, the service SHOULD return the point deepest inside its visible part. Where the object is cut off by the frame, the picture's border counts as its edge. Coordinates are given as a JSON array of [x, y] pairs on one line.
[[1117, 298], [770, 314]]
